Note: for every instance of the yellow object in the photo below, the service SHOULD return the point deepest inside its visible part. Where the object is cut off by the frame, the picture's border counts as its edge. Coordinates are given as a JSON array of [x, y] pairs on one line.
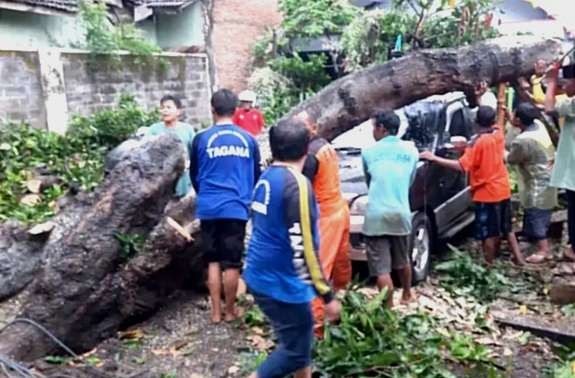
[[452, 3]]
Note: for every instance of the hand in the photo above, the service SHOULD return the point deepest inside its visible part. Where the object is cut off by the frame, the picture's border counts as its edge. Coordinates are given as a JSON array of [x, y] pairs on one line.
[[332, 310], [427, 155], [552, 72]]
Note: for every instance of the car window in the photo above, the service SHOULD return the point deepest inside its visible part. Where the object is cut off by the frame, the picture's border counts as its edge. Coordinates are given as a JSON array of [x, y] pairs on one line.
[[458, 125], [424, 121]]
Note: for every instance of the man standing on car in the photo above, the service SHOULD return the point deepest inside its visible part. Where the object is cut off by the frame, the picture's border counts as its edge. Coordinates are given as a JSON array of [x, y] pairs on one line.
[[322, 169], [489, 181], [563, 175], [224, 166], [532, 152], [390, 168]]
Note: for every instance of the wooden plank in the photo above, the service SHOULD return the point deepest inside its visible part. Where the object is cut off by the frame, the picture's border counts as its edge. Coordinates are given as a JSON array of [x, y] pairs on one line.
[[526, 324]]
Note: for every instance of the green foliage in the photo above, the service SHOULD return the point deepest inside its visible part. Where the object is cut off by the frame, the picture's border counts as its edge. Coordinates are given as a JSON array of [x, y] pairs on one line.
[[102, 37], [368, 37], [130, 245], [307, 76], [313, 18], [371, 340], [462, 275], [421, 23], [76, 159]]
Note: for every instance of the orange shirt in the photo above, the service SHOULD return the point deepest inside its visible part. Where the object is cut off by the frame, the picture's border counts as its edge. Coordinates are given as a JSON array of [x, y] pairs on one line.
[[484, 161], [326, 185]]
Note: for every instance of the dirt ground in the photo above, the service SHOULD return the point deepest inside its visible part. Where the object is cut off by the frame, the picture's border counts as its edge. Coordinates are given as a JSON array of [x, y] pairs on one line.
[[179, 341]]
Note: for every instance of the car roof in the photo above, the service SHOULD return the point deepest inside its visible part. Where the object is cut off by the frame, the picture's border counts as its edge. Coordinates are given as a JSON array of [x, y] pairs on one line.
[[361, 136]]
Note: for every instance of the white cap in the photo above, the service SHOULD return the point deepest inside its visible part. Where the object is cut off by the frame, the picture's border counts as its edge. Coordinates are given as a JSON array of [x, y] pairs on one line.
[[247, 96]]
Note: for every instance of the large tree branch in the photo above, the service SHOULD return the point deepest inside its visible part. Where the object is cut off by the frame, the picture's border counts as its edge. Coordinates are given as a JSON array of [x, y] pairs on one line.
[[349, 101]]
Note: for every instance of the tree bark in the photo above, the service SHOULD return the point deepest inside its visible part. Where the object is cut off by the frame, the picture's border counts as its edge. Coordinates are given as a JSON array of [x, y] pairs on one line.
[[84, 291], [353, 99]]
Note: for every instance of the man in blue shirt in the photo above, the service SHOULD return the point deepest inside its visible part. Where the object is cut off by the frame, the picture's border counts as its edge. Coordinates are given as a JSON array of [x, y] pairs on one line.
[[390, 168], [224, 166], [282, 268]]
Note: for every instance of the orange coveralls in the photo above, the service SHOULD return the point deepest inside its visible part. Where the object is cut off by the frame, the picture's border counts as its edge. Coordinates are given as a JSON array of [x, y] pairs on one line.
[[322, 168]]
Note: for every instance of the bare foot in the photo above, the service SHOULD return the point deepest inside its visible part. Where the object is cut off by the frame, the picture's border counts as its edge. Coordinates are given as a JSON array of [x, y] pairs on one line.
[[520, 261], [231, 315], [407, 298], [216, 318], [538, 258]]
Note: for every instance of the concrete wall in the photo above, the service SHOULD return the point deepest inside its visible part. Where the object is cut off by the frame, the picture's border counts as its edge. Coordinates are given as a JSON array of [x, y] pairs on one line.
[[43, 88], [30, 30], [21, 88], [237, 25]]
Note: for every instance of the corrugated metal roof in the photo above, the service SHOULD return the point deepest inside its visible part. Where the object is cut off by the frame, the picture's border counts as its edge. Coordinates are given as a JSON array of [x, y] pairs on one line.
[[70, 6]]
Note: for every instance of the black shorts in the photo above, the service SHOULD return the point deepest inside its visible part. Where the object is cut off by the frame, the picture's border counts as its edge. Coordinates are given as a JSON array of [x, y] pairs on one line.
[[536, 223], [492, 219], [223, 241]]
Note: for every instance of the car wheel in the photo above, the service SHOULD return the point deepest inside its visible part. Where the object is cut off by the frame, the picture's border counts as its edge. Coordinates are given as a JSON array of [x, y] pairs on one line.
[[420, 246]]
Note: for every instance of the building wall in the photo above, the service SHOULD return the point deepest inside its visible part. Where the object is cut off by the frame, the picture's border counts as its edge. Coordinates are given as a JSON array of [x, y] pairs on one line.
[[90, 85], [21, 88], [237, 25], [182, 29], [31, 30]]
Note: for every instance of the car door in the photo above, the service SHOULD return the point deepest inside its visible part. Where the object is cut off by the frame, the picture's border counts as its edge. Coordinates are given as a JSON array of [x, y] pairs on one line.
[[452, 185]]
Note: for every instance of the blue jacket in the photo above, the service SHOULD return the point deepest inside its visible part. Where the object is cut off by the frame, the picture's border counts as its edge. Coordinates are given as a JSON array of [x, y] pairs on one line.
[[224, 166], [282, 258]]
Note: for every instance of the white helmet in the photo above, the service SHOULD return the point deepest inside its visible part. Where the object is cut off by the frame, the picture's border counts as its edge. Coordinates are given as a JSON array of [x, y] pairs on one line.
[[247, 96]]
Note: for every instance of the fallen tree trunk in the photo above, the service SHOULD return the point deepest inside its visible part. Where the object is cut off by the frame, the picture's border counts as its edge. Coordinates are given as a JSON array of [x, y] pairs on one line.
[[353, 99], [84, 292]]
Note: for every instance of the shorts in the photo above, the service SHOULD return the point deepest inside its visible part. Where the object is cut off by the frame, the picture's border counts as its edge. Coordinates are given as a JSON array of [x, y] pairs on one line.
[[536, 223], [385, 253], [293, 327], [492, 219], [223, 241]]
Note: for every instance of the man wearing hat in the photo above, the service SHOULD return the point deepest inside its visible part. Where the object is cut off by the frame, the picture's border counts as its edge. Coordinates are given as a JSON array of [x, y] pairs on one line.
[[246, 116]]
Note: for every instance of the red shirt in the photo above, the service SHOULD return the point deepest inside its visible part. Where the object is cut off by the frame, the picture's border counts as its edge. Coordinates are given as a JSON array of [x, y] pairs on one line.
[[484, 162], [250, 120]]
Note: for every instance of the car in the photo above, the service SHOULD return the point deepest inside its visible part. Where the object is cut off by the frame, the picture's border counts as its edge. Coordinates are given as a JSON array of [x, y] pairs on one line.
[[440, 198]]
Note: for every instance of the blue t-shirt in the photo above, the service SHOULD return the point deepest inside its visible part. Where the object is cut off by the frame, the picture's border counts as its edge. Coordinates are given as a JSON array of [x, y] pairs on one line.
[[282, 258], [390, 167], [186, 134], [224, 166]]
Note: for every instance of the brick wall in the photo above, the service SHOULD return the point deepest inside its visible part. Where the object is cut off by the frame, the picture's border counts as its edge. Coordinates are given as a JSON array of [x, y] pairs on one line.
[[237, 25], [90, 85], [94, 86], [20, 88]]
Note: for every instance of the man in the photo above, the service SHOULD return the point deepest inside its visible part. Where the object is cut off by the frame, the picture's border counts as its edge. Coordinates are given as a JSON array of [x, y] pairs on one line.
[[171, 111], [563, 175], [246, 116], [224, 166], [489, 181], [484, 96], [322, 169], [533, 153], [537, 86], [390, 167], [282, 270]]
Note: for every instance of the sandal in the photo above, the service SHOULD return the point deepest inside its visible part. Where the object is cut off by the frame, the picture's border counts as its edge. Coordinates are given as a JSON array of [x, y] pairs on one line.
[[538, 258]]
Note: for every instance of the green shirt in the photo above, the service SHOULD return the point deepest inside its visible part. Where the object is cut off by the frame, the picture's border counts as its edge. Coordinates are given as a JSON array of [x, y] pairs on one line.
[[563, 175], [533, 152], [390, 167], [186, 134]]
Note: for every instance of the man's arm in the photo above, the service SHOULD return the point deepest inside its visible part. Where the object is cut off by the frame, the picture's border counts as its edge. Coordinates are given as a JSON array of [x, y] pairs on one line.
[[310, 167], [301, 216], [366, 172], [257, 162], [447, 163], [517, 154], [194, 163], [553, 74]]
